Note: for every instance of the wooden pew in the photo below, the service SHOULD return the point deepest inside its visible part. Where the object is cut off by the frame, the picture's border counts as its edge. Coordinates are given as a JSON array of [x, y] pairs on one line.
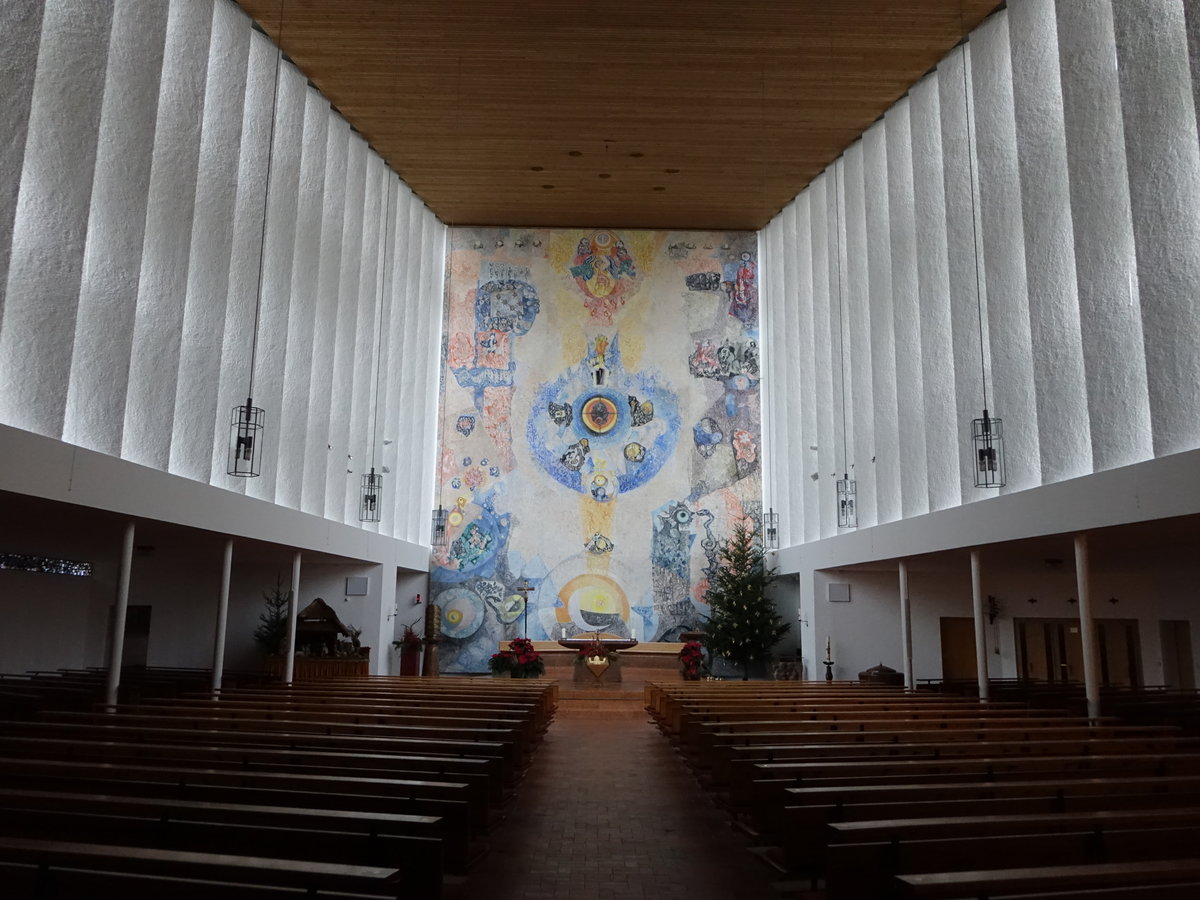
[[805, 833], [315, 878], [442, 799], [242, 831], [481, 775], [1064, 882], [868, 869]]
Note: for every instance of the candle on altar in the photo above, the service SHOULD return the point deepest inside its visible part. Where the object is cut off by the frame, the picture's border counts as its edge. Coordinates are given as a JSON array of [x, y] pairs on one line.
[[828, 647]]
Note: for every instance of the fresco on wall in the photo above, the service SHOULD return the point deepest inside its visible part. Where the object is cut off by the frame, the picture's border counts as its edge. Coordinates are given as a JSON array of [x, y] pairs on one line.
[[600, 431]]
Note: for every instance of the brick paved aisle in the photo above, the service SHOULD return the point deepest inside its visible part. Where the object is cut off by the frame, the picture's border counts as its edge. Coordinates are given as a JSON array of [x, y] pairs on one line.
[[609, 811]]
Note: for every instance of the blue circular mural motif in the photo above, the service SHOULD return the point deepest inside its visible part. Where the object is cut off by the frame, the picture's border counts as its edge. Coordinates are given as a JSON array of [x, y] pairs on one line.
[[600, 430]]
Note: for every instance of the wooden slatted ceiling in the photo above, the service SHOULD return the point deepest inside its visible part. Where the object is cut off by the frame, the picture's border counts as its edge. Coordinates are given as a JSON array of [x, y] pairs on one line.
[[629, 113]]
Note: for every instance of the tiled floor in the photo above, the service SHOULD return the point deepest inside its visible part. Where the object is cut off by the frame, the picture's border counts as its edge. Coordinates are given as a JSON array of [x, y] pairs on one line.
[[609, 811]]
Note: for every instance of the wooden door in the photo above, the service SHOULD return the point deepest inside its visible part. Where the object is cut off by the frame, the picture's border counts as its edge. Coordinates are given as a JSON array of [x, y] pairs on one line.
[[958, 648], [1178, 667]]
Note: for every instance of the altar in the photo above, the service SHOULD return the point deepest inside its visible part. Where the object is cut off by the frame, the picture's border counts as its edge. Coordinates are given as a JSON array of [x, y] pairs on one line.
[[602, 663]]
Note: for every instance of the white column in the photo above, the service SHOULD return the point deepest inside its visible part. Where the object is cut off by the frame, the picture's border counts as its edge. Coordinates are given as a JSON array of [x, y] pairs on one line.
[[293, 613], [905, 627], [980, 633], [1087, 628], [116, 646], [218, 666]]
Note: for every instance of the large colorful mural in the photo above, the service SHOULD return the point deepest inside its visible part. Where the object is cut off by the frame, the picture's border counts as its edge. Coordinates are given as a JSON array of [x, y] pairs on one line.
[[599, 431]]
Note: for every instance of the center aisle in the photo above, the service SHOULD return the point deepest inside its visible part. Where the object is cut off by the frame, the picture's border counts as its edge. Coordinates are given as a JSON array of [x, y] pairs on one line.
[[609, 811]]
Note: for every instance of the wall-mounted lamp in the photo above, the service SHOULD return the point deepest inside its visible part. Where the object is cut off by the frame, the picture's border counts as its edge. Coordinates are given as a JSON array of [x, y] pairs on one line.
[[417, 600], [993, 609]]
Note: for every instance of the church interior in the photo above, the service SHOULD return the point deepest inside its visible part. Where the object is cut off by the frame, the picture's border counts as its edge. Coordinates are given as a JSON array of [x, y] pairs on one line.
[[568, 294]]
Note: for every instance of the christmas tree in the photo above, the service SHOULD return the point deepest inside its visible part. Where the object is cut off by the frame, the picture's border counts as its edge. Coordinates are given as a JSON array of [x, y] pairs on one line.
[[272, 630], [744, 624]]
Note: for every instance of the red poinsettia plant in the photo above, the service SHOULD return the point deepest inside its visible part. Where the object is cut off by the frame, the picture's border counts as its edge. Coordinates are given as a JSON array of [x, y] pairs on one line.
[[691, 659], [520, 660]]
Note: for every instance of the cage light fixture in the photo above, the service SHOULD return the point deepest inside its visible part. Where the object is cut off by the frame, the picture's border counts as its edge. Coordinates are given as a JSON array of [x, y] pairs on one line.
[[438, 531], [246, 422], [987, 432], [771, 530], [847, 502]]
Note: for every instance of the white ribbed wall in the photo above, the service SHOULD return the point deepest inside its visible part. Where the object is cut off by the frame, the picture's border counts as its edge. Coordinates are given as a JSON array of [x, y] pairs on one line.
[[1078, 121], [132, 177]]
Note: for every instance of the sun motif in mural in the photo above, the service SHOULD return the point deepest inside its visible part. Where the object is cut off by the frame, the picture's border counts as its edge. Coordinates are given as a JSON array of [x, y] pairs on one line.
[[603, 441]]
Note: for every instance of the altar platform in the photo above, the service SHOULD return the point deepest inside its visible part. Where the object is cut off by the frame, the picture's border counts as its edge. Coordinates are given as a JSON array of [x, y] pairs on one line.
[[657, 661]]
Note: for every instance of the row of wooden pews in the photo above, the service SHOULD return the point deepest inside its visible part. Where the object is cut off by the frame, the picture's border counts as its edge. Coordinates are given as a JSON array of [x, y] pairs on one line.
[[856, 792], [379, 787]]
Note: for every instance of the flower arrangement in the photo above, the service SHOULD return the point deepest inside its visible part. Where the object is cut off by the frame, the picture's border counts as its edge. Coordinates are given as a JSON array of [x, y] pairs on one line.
[[520, 660], [594, 652], [410, 641], [691, 660]]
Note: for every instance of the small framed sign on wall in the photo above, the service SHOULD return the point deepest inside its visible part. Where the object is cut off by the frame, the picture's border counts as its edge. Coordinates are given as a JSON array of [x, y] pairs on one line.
[[356, 585], [839, 592]]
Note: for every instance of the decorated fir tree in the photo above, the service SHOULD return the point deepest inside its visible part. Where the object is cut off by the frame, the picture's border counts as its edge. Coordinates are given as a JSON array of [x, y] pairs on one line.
[[744, 624]]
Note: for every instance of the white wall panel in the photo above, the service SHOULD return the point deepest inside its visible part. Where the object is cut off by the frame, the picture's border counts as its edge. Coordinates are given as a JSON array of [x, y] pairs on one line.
[[769, 314], [819, 477], [306, 270], [277, 258], [20, 36], [409, 441], [906, 312], [391, 413], [423, 310], [341, 380], [787, 430], [1164, 187], [364, 343], [432, 342], [860, 398], [801, 324], [95, 410], [170, 207], [1105, 259], [50, 222], [884, 452], [199, 373], [246, 227], [964, 257], [1011, 385], [940, 420], [319, 455], [1059, 381]]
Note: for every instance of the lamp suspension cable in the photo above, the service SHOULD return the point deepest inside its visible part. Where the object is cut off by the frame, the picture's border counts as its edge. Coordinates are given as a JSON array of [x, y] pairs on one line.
[[245, 445], [372, 484], [987, 438]]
